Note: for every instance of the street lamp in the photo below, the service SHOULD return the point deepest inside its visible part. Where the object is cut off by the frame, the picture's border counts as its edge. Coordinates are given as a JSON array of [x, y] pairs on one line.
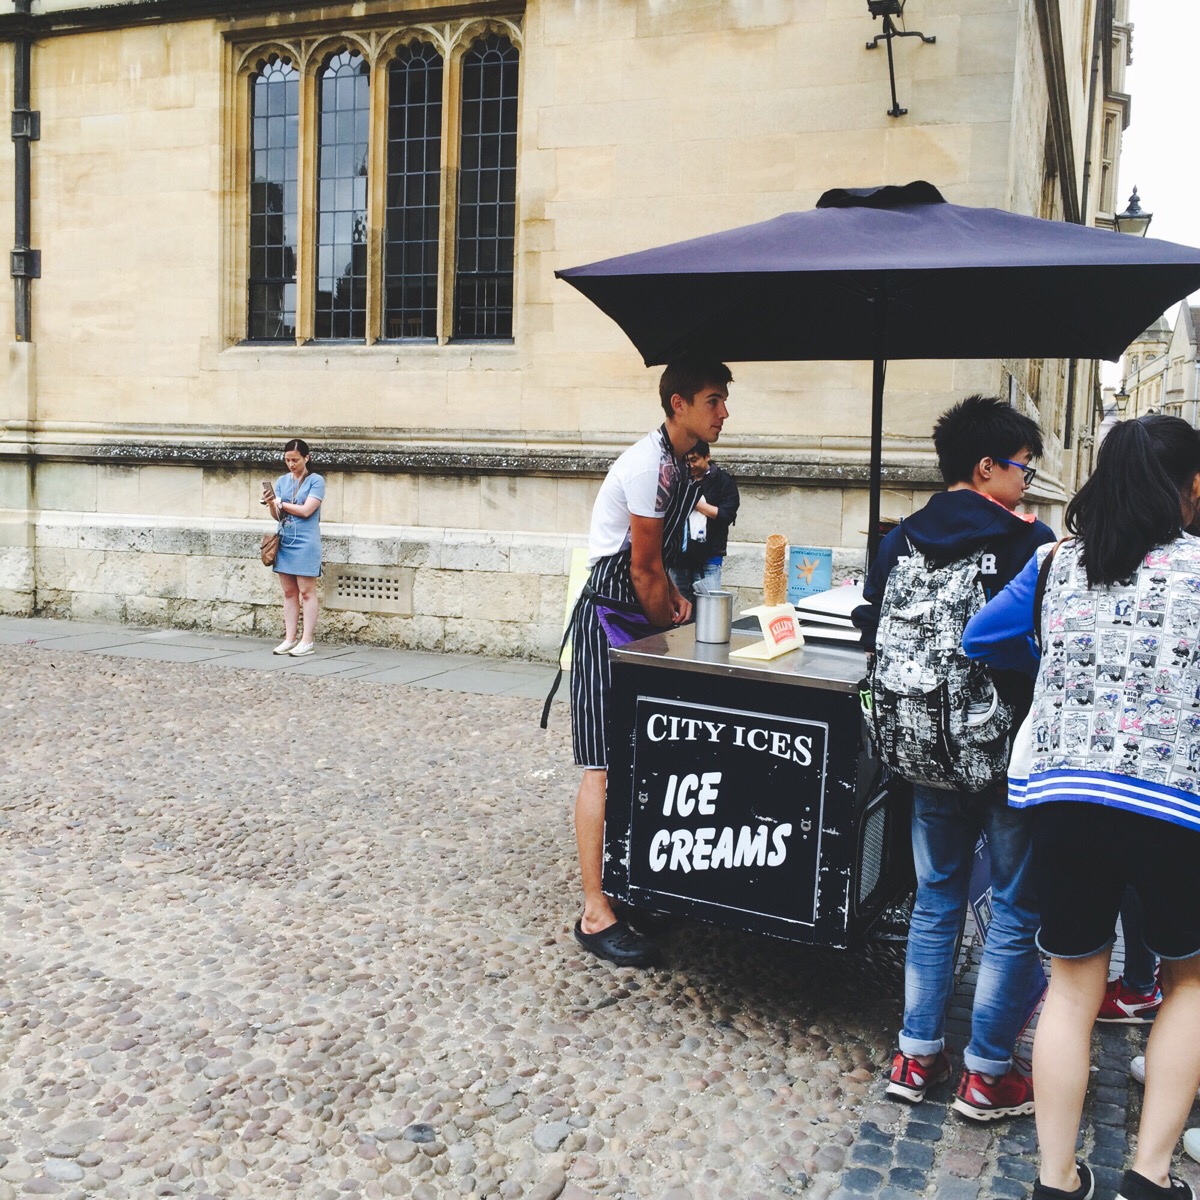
[[1121, 399], [887, 9], [1133, 220]]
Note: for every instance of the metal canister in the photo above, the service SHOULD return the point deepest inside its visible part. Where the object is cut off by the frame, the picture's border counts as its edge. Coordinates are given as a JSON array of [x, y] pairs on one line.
[[714, 616]]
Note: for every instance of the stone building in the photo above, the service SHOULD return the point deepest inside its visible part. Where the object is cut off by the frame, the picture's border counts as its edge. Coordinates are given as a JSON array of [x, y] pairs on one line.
[[245, 221], [1160, 371]]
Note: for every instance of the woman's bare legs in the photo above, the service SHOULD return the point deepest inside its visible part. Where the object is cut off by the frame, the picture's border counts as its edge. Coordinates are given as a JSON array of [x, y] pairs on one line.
[[1062, 1053], [291, 606], [1172, 1069], [308, 601]]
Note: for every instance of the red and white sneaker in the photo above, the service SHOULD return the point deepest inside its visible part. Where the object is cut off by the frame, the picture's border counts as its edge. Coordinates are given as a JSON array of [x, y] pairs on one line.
[[1123, 1006], [910, 1080], [1010, 1096]]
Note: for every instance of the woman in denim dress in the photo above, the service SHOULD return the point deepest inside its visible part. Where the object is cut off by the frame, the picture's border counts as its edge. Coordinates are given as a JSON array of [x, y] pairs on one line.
[[295, 502]]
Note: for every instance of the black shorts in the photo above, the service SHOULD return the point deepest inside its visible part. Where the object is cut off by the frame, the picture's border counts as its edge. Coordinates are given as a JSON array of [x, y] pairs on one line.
[[1085, 854]]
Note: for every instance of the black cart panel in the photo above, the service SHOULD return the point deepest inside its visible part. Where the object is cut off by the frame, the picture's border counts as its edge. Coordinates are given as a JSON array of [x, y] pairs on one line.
[[745, 794]]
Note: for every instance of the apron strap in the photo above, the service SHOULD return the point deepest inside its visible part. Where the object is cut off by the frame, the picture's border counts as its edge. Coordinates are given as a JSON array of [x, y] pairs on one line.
[[586, 593]]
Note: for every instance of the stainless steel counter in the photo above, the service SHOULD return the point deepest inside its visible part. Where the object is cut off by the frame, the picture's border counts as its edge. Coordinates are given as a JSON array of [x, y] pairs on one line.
[[836, 666]]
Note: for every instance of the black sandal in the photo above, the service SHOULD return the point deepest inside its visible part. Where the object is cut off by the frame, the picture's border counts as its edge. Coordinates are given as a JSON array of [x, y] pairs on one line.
[[620, 944]]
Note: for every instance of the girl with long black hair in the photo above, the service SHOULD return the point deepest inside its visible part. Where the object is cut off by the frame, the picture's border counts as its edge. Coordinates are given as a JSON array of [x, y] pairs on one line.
[[1114, 781]]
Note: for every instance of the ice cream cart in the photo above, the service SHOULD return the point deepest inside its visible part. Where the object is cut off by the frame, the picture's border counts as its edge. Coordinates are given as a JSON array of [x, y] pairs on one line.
[[745, 793]]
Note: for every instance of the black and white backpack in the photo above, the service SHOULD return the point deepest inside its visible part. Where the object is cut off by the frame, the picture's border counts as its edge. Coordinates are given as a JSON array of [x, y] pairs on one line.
[[935, 716]]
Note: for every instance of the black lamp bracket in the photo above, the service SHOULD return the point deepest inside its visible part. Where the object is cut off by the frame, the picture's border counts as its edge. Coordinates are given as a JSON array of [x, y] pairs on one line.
[[888, 9]]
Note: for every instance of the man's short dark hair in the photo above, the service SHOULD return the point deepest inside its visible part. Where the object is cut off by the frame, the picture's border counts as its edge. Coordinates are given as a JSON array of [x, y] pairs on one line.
[[701, 448], [688, 376], [981, 427]]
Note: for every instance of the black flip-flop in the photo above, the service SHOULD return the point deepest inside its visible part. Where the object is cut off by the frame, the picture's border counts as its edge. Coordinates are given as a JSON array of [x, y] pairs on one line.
[[620, 944]]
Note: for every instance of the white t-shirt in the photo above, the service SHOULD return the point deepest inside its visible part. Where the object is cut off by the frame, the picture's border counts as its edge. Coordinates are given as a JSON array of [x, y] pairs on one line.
[[639, 483]]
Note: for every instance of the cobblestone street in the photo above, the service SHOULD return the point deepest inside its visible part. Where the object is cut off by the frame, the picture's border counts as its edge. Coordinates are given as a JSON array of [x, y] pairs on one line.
[[273, 933]]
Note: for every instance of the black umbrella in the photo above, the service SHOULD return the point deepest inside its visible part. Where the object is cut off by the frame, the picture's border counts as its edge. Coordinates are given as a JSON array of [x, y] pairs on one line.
[[891, 272]]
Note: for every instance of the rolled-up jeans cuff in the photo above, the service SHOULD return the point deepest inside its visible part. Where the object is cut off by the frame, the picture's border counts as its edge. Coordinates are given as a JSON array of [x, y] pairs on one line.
[[986, 1066], [915, 1048]]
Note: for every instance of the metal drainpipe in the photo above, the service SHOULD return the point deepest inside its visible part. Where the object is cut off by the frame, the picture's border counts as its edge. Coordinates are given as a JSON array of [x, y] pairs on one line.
[[26, 128]]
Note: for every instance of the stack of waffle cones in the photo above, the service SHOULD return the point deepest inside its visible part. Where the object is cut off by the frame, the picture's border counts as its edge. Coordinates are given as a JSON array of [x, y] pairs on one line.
[[775, 571]]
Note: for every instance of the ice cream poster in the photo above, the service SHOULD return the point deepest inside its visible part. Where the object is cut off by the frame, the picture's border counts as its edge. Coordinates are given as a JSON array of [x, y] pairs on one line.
[[809, 571]]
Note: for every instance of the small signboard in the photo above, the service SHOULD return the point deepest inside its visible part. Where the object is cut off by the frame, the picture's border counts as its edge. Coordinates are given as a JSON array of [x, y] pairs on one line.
[[810, 570], [692, 833]]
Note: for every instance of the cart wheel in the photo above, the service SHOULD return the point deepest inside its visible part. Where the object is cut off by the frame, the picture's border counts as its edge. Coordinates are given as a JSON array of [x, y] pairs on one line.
[[893, 923], [643, 919]]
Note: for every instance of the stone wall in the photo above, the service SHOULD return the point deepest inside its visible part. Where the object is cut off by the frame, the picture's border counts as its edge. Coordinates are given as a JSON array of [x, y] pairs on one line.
[[141, 407], [443, 589]]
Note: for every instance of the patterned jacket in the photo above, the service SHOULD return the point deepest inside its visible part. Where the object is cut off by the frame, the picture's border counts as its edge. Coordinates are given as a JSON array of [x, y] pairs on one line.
[[1116, 707]]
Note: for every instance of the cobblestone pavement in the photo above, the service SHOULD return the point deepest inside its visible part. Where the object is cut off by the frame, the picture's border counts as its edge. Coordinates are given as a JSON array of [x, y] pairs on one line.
[[280, 935]]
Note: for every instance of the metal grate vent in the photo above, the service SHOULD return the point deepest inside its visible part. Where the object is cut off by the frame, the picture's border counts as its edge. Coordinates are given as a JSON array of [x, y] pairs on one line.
[[369, 589], [870, 863]]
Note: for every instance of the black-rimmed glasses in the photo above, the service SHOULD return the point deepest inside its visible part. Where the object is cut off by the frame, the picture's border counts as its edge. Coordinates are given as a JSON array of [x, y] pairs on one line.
[[1029, 472]]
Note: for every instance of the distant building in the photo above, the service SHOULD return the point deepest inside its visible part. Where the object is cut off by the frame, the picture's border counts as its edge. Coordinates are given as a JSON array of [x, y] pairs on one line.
[[1161, 370], [341, 220]]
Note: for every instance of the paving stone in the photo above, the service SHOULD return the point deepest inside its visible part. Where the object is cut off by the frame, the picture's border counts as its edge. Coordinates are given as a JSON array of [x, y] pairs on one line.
[[966, 1164], [957, 1189], [1108, 1179], [1108, 1114], [1008, 1189], [862, 1180], [1109, 1135], [908, 1177], [1017, 1168], [913, 1154], [922, 1133], [868, 1131], [869, 1155], [1106, 1156]]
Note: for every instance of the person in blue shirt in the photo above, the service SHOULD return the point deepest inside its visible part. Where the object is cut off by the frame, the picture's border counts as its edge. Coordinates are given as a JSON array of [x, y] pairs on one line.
[[295, 502], [1113, 783], [984, 448]]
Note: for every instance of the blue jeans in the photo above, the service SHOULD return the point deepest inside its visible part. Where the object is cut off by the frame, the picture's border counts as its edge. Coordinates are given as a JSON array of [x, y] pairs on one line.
[[945, 828], [686, 577]]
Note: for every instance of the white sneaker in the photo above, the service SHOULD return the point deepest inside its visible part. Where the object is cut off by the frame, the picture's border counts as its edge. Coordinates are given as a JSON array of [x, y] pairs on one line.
[[301, 650], [284, 647], [1191, 1143], [1137, 1068]]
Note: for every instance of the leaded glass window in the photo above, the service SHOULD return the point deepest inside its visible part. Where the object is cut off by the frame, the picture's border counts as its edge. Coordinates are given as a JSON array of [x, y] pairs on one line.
[[414, 177], [343, 117], [487, 191], [275, 109]]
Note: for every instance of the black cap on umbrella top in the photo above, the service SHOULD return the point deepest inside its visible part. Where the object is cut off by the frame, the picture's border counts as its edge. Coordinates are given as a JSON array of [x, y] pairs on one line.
[[892, 196]]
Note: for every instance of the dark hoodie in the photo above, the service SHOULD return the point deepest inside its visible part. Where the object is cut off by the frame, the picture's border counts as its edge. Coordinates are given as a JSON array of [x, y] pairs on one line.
[[950, 526]]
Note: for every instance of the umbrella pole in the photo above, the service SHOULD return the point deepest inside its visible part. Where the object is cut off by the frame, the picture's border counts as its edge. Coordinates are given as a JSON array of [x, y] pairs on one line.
[[876, 473]]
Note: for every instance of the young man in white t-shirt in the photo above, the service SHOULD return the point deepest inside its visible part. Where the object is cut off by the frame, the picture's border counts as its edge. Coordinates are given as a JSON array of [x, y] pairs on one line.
[[642, 502]]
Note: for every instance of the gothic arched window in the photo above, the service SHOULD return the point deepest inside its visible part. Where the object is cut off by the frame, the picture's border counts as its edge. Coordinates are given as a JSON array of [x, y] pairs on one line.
[[343, 119], [414, 179], [487, 190], [274, 139]]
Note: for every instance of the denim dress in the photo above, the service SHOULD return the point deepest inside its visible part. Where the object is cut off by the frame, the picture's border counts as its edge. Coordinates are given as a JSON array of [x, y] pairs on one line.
[[300, 537]]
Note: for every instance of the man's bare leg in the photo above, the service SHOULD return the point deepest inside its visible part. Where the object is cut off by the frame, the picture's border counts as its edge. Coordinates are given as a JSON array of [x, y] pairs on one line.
[[589, 836]]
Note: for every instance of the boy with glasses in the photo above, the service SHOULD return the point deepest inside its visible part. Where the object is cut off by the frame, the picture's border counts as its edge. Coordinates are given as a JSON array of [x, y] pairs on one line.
[[984, 449]]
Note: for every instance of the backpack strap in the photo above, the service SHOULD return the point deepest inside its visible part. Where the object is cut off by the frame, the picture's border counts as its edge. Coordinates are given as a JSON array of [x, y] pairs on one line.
[[1039, 592]]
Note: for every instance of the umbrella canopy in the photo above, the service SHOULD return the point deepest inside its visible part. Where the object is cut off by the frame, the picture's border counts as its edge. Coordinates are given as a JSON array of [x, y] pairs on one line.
[[893, 272]]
